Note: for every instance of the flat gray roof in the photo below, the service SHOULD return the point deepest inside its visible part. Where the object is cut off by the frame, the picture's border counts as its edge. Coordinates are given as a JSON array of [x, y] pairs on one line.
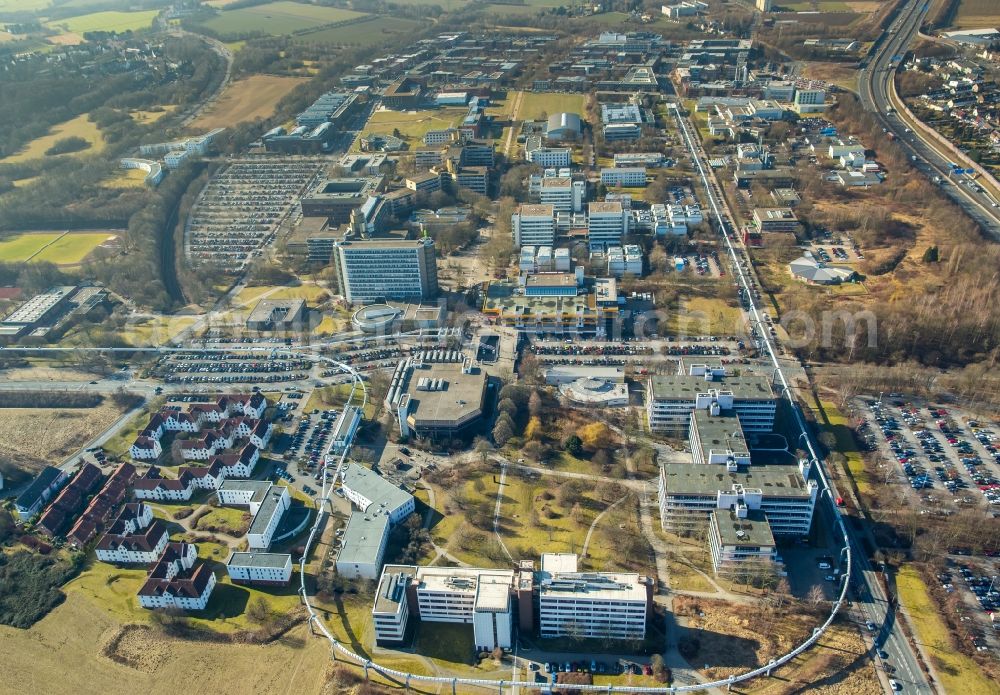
[[258, 487], [751, 531], [460, 400], [392, 587], [363, 538], [271, 560], [268, 508], [706, 480], [749, 387], [380, 491], [720, 431]]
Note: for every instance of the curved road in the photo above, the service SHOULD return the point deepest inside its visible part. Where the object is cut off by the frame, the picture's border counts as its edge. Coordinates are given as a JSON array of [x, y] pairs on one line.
[[878, 95]]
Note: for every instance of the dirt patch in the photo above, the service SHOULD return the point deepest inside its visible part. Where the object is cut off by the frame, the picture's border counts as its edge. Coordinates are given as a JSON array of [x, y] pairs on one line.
[[137, 647], [35, 437], [246, 100]]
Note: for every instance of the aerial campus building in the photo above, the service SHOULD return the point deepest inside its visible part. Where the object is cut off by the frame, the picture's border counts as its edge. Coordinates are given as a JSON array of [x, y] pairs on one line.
[[559, 601], [374, 270], [437, 400], [380, 506], [670, 400]]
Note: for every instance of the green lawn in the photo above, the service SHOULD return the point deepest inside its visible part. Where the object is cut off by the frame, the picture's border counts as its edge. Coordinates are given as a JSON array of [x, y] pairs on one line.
[[107, 21], [412, 126], [836, 423], [21, 247], [276, 18], [534, 104], [451, 643], [957, 672], [225, 519], [72, 248], [377, 31]]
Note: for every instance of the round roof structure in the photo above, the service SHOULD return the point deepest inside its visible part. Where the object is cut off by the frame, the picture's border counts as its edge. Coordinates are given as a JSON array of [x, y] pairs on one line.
[[595, 392], [563, 124], [375, 317]]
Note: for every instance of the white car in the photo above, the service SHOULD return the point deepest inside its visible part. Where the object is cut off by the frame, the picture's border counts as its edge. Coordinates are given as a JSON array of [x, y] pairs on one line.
[[895, 685]]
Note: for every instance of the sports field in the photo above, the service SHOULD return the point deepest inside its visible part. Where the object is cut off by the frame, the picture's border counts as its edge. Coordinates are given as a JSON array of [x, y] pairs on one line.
[[56, 247], [107, 21], [276, 19], [534, 104], [245, 100], [377, 31], [977, 14], [81, 126], [21, 247]]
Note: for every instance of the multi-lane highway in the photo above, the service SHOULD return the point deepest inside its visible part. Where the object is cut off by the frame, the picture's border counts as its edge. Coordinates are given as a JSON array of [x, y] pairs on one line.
[[932, 158], [873, 606]]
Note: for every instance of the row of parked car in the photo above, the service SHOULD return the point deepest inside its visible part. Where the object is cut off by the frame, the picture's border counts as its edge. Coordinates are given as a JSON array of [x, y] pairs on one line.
[[614, 668]]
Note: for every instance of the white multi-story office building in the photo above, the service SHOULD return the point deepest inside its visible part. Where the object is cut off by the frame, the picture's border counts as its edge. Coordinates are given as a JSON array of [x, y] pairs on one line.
[[625, 260], [590, 604], [607, 223], [740, 541], [548, 156], [371, 270], [810, 100], [629, 177], [534, 225], [380, 506], [563, 193], [670, 400], [465, 595], [345, 428], [690, 492], [717, 438]]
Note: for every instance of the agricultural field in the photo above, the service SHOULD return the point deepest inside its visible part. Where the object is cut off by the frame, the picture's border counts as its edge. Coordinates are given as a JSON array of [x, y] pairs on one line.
[[34, 437], [814, 6], [534, 104], [977, 14], [80, 127], [276, 19], [376, 31], [246, 100], [412, 125], [107, 21]]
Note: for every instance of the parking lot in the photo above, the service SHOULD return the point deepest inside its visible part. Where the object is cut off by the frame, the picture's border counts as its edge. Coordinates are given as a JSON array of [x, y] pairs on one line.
[[978, 585], [241, 208], [223, 368], [947, 462]]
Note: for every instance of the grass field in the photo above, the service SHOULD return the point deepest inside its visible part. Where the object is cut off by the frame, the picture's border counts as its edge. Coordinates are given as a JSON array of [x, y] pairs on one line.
[[276, 19], [23, 5], [705, 316], [156, 331], [149, 117], [377, 31], [71, 249], [33, 437], [973, 14], [816, 6], [534, 104], [412, 125], [107, 21], [81, 127], [957, 672], [126, 178], [246, 100], [836, 423], [23, 246]]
